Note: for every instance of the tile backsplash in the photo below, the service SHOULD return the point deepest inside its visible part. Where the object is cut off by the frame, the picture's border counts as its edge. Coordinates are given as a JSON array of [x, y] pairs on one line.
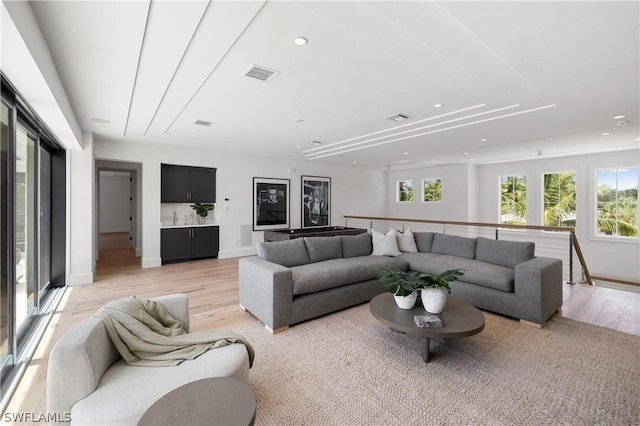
[[184, 213]]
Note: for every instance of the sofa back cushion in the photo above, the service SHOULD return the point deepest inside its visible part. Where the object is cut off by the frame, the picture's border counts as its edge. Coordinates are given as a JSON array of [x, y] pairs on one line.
[[323, 248], [356, 245], [286, 253], [424, 240], [504, 253], [454, 246]]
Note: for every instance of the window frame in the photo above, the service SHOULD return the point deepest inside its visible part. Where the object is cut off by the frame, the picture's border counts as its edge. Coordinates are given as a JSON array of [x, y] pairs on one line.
[[594, 205], [526, 192], [543, 192], [398, 191], [423, 189]]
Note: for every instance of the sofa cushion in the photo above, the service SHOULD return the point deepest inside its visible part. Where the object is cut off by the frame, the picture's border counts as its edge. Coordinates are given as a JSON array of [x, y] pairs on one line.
[[406, 242], [454, 246], [504, 253], [356, 245], [323, 248], [286, 253], [424, 240], [125, 392], [384, 244], [475, 272], [333, 273]]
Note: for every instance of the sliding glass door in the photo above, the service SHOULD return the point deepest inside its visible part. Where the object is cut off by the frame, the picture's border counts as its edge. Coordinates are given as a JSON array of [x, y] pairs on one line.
[[25, 191], [5, 305]]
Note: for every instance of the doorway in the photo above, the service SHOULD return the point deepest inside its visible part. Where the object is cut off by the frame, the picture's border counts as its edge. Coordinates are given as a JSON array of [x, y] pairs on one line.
[[118, 210]]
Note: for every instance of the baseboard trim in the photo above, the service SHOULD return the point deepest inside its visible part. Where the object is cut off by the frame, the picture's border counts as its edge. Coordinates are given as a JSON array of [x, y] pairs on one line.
[[152, 262], [80, 279], [240, 252]]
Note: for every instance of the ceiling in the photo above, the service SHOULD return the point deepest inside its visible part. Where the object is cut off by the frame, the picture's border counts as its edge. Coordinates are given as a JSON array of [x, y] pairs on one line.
[[516, 80]]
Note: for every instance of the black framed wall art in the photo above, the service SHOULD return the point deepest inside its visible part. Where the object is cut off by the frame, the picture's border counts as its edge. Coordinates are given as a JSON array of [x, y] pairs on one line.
[[271, 203], [316, 201]]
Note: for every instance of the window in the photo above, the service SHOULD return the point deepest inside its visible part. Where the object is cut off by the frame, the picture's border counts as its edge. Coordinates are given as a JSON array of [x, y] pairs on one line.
[[513, 200], [404, 191], [560, 199], [432, 189], [617, 205]]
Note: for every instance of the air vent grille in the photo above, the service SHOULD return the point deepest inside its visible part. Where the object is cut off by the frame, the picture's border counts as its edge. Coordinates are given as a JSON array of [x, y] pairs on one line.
[[261, 73], [398, 117], [203, 123]]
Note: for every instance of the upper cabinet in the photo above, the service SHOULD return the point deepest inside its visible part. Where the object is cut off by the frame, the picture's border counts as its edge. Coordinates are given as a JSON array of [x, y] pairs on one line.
[[182, 184]]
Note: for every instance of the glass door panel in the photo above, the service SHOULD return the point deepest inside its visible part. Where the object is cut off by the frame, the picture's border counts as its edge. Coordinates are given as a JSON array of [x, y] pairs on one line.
[[4, 260], [44, 247], [25, 229]]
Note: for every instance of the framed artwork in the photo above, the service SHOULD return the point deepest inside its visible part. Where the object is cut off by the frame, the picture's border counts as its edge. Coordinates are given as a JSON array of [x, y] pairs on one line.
[[316, 201], [271, 203]]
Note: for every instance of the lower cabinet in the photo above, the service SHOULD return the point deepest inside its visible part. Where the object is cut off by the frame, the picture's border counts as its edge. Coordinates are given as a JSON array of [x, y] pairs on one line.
[[184, 244]]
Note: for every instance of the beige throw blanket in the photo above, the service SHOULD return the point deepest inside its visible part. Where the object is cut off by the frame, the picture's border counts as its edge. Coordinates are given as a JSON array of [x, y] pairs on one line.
[[146, 334]]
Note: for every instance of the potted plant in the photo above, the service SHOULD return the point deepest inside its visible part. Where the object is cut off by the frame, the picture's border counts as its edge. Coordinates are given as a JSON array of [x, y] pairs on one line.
[[202, 210], [402, 285], [434, 289]]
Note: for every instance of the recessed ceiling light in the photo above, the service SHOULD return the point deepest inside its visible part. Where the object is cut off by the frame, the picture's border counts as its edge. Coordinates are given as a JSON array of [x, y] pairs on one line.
[[438, 105], [194, 130], [100, 120], [300, 41], [605, 134], [471, 159], [466, 153], [397, 117], [406, 153], [483, 140], [298, 147], [355, 161], [618, 117]]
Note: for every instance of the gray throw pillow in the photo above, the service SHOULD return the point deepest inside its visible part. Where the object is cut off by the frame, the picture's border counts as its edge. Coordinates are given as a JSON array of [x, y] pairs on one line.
[[323, 248], [504, 253], [454, 246], [424, 240], [286, 253], [356, 245]]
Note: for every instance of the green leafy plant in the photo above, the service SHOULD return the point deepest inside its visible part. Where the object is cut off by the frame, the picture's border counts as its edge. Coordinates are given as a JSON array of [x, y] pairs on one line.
[[401, 283], [202, 210]]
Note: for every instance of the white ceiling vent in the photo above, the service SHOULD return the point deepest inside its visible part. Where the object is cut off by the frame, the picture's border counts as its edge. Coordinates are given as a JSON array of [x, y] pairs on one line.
[[261, 73], [397, 117], [203, 123]]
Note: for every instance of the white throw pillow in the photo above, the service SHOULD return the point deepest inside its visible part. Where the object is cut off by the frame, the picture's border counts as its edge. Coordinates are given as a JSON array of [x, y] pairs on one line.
[[406, 241], [384, 244]]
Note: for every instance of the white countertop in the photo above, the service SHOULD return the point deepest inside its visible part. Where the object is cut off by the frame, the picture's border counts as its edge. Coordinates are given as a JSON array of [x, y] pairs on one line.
[[167, 225]]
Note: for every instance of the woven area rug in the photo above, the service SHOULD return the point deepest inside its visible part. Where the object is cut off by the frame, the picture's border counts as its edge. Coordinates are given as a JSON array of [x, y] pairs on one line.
[[348, 369]]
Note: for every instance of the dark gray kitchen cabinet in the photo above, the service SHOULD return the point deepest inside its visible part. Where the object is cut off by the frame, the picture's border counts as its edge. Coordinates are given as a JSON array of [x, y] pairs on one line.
[[182, 184], [190, 243]]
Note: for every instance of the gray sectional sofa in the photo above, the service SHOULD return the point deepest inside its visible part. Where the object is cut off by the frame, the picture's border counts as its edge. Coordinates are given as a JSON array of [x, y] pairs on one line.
[[296, 280]]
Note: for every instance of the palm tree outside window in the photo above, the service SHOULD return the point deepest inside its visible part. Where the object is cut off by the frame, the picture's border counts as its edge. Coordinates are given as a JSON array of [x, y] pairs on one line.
[[560, 199], [513, 200], [617, 205]]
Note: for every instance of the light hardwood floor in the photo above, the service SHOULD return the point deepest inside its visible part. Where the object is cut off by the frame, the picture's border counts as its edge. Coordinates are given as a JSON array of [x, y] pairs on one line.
[[212, 287]]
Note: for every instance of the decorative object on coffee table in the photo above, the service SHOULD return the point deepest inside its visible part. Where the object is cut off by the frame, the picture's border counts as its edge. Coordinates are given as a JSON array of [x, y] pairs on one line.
[[402, 285], [433, 288], [459, 319], [202, 211]]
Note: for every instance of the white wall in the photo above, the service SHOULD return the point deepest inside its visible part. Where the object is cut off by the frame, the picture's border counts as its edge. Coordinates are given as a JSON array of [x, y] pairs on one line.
[[613, 258], [114, 205], [81, 259], [455, 193], [354, 191]]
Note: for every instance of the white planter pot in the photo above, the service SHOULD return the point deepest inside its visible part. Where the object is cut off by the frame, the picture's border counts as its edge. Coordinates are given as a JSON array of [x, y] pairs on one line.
[[433, 299], [406, 302]]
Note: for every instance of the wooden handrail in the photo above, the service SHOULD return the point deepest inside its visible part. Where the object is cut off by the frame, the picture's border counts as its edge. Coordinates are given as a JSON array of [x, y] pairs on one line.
[[480, 224], [615, 280]]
